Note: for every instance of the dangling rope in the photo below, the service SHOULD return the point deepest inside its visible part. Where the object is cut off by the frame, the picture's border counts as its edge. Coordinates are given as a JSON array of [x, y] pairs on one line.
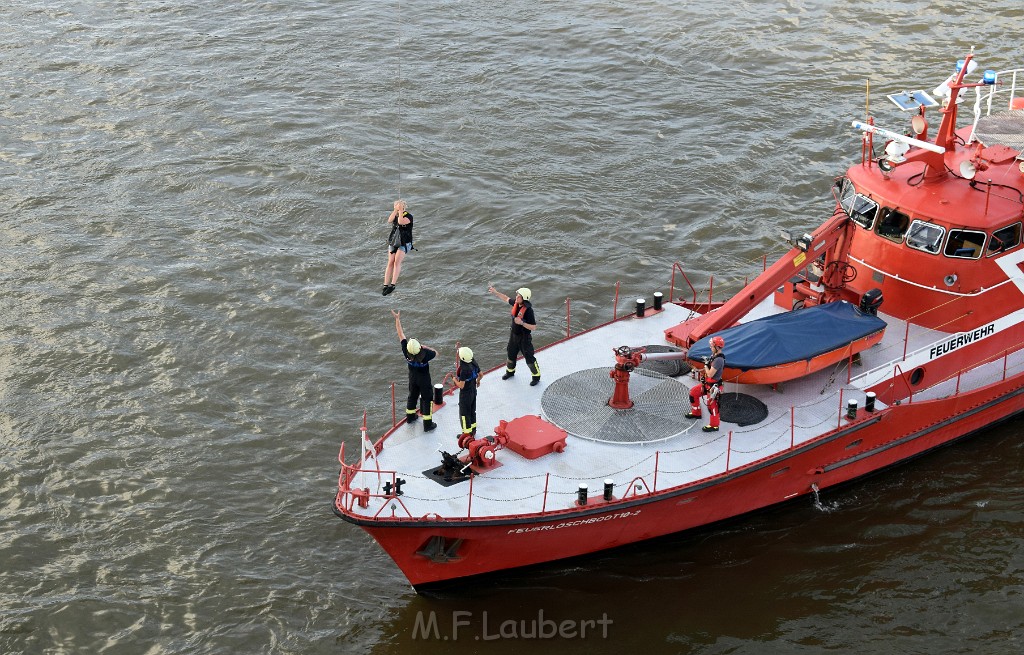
[[399, 99]]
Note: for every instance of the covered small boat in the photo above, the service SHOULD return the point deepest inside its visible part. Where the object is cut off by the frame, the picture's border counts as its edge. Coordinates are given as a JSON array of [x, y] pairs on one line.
[[786, 346]]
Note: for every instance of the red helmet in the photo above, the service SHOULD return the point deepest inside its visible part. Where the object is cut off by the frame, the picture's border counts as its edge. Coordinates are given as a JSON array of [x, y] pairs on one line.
[[718, 342]]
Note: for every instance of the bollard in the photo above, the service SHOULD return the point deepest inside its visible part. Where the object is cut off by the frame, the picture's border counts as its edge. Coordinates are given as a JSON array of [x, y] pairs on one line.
[[581, 495], [438, 394], [657, 300], [851, 409], [609, 486], [869, 402], [640, 302]]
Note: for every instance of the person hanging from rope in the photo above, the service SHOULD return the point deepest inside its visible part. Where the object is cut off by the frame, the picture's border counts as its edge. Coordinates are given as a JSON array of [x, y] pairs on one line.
[[418, 357], [467, 379], [710, 386], [399, 244], [520, 337]]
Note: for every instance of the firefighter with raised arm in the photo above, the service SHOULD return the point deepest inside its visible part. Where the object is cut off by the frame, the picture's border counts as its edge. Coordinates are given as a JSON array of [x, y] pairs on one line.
[[418, 357], [520, 338], [710, 386]]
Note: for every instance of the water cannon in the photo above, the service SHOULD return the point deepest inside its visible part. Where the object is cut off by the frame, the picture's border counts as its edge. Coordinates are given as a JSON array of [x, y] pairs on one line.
[[481, 454]]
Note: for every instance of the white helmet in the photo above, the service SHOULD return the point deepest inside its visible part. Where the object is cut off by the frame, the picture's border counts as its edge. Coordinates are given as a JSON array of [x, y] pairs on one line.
[[413, 347], [524, 292], [465, 354]]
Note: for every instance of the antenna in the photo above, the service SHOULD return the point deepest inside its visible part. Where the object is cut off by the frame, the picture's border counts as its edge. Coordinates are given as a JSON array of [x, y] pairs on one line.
[[895, 136]]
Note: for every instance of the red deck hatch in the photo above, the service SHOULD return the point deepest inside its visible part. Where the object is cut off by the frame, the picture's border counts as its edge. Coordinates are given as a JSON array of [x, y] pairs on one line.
[[531, 436]]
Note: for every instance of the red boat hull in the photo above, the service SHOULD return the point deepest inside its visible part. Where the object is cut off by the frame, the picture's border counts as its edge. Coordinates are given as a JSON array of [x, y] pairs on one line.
[[434, 551]]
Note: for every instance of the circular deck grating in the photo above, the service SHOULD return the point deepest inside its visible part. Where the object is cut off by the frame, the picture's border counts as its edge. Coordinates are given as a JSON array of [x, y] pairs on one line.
[[670, 367], [1005, 128], [578, 403], [742, 409]]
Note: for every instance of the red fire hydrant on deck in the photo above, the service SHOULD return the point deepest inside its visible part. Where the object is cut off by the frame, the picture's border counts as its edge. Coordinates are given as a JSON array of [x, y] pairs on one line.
[[626, 359]]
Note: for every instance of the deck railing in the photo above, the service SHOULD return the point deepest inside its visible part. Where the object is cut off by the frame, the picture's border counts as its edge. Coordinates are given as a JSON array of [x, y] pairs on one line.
[[808, 419], [986, 101]]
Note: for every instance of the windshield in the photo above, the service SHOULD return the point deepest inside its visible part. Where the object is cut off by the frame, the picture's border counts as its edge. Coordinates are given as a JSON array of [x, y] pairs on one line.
[[858, 207], [925, 236]]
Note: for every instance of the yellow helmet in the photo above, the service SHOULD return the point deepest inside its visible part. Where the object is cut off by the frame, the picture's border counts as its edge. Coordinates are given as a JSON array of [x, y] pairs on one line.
[[465, 354], [524, 292], [413, 346]]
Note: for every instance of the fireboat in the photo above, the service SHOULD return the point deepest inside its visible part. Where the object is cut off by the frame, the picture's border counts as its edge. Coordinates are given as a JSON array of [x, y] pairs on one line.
[[894, 328]]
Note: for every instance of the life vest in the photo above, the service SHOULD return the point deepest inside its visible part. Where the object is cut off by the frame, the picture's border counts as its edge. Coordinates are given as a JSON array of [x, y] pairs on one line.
[[708, 383], [417, 361], [474, 371]]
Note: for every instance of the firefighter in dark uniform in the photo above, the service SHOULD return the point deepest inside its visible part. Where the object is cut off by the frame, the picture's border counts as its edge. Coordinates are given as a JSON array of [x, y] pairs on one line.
[[710, 386], [418, 357], [467, 379], [520, 339]]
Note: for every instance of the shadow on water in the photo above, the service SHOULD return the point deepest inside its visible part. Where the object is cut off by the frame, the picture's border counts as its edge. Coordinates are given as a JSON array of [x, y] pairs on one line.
[[802, 575]]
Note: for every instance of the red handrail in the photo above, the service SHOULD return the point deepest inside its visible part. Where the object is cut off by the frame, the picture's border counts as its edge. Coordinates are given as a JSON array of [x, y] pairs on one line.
[[728, 451], [544, 505], [839, 423], [672, 284], [383, 505], [792, 426], [896, 367], [394, 416], [632, 488], [657, 454]]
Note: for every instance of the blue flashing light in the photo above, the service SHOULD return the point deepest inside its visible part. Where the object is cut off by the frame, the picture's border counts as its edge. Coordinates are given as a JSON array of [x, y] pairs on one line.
[[989, 77]]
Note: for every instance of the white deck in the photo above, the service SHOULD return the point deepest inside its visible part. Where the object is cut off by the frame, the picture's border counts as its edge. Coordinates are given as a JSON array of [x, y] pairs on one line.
[[517, 486]]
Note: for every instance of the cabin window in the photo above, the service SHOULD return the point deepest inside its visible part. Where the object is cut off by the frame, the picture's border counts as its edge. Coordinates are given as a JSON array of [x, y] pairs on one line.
[[925, 236], [893, 224], [965, 244], [858, 207], [1005, 239]]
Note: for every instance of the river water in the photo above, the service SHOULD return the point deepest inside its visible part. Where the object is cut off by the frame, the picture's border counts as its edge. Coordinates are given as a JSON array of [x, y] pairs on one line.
[[193, 246]]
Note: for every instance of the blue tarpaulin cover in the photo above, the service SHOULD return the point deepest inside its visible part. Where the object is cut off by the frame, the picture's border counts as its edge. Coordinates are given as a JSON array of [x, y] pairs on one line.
[[790, 337]]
